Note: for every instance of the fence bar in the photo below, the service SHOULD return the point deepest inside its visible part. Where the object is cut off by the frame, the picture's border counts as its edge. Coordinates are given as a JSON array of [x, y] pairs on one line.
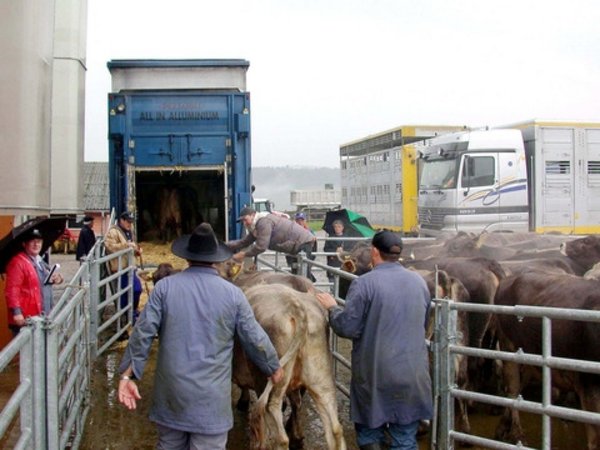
[[39, 375], [52, 387], [94, 296], [520, 404], [12, 406], [546, 382], [487, 443], [531, 359]]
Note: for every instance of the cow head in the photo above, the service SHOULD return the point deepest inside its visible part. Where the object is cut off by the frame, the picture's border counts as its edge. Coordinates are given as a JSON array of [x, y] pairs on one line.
[[463, 244], [163, 270], [358, 260], [584, 251], [229, 269]]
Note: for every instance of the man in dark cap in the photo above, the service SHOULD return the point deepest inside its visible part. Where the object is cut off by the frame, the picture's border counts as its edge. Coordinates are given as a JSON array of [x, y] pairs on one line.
[[272, 232], [385, 315], [28, 289], [196, 314], [87, 238]]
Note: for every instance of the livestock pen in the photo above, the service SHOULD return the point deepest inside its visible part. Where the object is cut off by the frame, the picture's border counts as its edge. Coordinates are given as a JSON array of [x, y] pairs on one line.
[[80, 410]]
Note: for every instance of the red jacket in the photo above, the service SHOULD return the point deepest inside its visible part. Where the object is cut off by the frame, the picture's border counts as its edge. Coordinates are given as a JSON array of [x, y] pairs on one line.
[[22, 287]]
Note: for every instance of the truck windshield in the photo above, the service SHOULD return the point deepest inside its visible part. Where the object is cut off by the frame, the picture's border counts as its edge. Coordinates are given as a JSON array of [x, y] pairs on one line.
[[438, 174]]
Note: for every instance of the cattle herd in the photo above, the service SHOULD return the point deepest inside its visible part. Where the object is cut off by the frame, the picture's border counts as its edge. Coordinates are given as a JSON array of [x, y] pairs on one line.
[[492, 268]]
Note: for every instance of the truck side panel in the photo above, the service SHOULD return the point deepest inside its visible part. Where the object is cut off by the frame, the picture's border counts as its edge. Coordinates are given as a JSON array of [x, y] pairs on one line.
[[566, 177]]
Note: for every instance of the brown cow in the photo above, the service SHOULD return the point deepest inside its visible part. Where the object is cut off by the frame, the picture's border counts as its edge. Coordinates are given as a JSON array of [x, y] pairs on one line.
[[284, 312], [441, 285], [584, 251], [169, 214], [163, 270], [577, 340]]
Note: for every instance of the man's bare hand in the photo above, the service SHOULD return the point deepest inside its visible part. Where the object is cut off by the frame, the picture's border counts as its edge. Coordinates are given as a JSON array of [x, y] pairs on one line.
[[128, 393], [19, 319], [277, 376], [239, 257], [325, 299]]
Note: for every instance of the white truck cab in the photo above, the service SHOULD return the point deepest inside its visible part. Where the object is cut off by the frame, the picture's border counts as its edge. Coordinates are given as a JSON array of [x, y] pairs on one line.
[[473, 181]]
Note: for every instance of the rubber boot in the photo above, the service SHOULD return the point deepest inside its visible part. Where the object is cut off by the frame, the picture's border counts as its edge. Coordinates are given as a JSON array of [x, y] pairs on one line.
[[372, 446]]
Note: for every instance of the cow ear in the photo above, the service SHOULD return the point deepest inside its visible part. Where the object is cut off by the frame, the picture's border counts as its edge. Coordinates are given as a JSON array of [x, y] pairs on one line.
[[443, 283]]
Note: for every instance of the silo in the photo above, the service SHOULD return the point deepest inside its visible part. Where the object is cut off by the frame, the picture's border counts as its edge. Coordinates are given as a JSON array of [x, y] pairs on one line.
[[68, 106], [26, 43]]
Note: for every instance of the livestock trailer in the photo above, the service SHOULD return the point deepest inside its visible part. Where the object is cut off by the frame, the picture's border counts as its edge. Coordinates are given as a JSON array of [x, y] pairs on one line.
[[179, 144]]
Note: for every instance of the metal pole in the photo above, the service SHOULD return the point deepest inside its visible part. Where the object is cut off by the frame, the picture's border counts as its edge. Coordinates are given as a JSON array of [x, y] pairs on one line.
[[52, 391], [546, 382], [131, 274], [93, 275], [40, 405]]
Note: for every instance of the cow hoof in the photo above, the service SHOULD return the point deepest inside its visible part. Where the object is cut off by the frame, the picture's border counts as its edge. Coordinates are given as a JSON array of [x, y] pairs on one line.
[[243, 405]]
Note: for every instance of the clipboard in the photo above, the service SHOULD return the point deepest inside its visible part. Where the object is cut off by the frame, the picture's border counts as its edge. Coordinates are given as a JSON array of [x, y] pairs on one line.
[[55, 267]]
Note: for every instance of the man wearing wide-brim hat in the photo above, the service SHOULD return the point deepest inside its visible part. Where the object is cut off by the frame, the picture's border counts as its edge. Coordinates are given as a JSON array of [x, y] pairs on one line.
[[196, 314]]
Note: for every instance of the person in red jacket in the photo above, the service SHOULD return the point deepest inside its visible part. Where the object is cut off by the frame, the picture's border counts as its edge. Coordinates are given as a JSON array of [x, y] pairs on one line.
[[25, 292]]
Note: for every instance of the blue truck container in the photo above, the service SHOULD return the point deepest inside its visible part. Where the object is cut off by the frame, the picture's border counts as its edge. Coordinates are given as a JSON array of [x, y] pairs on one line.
[[179, 145]]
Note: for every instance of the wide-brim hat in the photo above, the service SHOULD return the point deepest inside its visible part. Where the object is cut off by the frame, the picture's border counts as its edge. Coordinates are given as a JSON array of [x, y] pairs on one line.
[[201, 246]]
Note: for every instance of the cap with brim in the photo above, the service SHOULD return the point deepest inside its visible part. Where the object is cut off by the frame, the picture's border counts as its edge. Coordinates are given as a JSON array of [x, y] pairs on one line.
[[32, 234], [201, 246], [126, 216], [245, 212], [300, 216], [88, 219], [387, 242]]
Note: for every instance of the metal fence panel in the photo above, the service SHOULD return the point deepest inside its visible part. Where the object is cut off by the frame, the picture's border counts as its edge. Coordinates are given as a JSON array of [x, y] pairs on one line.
[[51, 400], [446, 389]]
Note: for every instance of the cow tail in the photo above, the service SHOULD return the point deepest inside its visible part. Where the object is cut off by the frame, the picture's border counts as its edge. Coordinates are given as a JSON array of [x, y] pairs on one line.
[[299, 321]]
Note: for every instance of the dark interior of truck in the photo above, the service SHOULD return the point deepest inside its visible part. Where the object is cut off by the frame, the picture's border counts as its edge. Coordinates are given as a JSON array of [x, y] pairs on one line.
[[172, 203]]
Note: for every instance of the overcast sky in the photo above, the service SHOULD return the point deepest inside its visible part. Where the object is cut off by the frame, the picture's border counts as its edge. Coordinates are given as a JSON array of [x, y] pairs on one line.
[[326, 72]]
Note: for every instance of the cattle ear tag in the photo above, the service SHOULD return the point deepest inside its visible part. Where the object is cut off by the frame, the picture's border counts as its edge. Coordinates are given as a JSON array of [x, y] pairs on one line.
[[235, 270]]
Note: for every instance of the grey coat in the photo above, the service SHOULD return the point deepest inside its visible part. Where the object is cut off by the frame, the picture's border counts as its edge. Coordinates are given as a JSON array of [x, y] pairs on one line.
[[196, 314], [385, 316], [274, 233]]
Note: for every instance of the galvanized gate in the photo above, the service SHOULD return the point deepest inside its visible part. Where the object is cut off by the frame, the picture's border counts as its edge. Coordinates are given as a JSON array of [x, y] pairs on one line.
[[51, 357], [446, 350]]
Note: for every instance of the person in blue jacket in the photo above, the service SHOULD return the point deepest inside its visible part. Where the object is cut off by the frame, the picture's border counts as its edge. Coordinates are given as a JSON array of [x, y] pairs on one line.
[[385, 315], [196, 314]]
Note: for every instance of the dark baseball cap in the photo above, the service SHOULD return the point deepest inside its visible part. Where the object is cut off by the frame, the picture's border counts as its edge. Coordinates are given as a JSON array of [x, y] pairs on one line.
[[126, 216], [246, 211], [34, 233], [387, 242], [300, 215]]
